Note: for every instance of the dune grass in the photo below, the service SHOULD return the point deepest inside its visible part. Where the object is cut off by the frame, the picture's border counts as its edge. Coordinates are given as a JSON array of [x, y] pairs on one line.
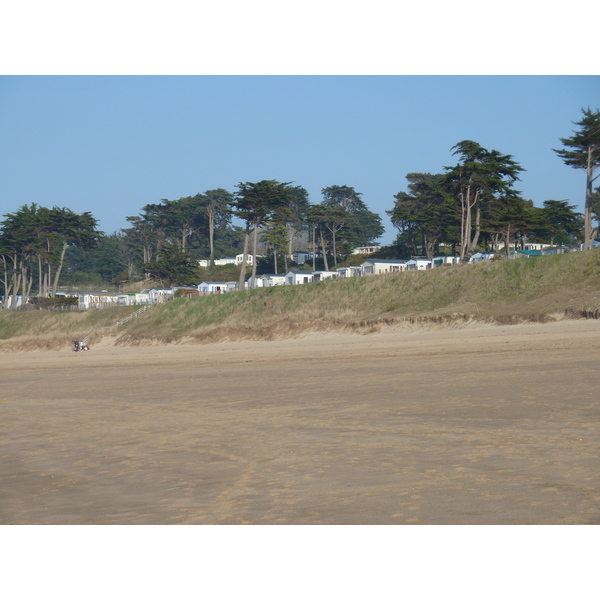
[[537, 288]]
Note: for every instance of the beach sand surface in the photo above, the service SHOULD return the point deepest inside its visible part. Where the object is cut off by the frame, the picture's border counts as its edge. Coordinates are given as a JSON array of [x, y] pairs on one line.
[[467, 425]]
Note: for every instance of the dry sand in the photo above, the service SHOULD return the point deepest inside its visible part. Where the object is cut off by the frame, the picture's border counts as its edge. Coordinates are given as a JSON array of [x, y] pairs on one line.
[[473, 425]]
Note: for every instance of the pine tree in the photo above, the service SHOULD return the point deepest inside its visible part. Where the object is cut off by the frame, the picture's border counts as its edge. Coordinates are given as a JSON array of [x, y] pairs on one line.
[[582, 151]]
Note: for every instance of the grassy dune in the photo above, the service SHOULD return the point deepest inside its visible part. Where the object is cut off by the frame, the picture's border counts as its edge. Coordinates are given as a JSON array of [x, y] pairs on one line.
[[528, 289]]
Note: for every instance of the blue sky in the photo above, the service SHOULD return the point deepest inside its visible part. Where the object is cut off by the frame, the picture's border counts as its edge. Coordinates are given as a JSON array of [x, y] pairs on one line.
[[111, 144]]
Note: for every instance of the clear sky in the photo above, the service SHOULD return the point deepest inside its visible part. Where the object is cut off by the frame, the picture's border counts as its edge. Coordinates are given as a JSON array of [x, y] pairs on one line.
[[111, 144]]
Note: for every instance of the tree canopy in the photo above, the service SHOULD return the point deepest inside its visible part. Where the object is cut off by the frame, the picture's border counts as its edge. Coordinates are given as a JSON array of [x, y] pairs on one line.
[[582, 151], [479, 176]]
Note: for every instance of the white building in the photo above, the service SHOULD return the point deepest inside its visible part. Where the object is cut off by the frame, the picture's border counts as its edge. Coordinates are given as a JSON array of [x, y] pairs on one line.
[[438, 261], [323, 275], [349, 271], [271, 280], [534, 246], [479, 256], [366, 249], [418, 263], [88, 300], [217, 287], [158, 295], [258, 282], [298, 277], [228, 260], [377, 266], [134, 298]]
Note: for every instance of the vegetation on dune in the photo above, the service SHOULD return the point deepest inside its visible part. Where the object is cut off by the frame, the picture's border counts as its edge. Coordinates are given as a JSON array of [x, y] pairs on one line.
[[503, 291]]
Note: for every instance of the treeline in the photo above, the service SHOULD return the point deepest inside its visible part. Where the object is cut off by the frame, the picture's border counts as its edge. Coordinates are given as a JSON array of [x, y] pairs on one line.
[[471, 205], [475, 201], [41, 246]]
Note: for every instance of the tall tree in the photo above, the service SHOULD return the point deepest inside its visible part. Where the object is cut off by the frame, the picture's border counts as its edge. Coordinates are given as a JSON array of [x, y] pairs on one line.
[[342, 195], [296, 215], [255, 203], [72, 230], [582, 151], [333, 220], [479, 175], [109, 262], [509, 216], [216, 205], [559, 222], [365, 226], [276, 237], [174, 267], [427, 208], [38, 235]]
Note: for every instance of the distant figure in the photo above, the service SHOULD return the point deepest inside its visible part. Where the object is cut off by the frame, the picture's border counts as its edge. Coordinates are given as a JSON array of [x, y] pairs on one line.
[[79, 346]]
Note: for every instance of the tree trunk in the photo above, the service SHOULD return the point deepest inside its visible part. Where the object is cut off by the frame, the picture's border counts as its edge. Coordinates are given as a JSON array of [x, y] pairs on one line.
[[40, 276], [428, 245], [507, 242], [27, 283], [473, 243], [211, 236], [324, 253], [7, 281], [465, 224], [254, 242], [245, 257], [16, 284], [587, 227], [334, 250], [59, 269], [291, 233], [47, 278]]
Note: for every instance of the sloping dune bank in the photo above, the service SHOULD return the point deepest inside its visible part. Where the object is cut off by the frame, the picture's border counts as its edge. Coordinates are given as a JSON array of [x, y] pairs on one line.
[[475, 424]]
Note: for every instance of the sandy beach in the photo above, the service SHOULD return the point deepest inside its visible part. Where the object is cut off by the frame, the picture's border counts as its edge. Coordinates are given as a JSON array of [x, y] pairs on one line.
[[471, 425]]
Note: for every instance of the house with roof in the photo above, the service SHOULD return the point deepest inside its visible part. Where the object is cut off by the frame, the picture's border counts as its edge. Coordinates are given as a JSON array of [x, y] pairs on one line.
[[418, 263], [440, 261], [298, 277], [535, 246], [87, 300], [323, 275], [270, 280], [228, 260], [258, 283], [366, 249], [479, 256], [301, 256], [353, 271], [377, 266], [216, 287], [158, 295], [133, 298]]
